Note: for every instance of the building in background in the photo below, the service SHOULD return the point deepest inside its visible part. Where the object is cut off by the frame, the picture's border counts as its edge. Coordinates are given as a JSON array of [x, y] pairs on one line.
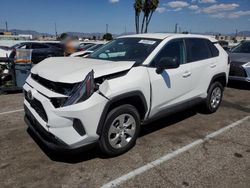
[[11, 36]]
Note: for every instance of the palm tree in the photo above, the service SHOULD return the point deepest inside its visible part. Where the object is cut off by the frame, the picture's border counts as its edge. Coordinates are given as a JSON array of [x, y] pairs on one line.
[[138, 9], [148, 7], [152, 6], [146, 10]]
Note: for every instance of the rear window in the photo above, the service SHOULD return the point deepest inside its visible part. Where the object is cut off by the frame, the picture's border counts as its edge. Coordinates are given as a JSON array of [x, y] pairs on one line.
[[214, 50], [197, 49]]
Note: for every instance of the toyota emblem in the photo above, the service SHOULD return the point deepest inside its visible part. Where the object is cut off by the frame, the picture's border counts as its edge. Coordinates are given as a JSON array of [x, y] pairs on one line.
[[30, 95]]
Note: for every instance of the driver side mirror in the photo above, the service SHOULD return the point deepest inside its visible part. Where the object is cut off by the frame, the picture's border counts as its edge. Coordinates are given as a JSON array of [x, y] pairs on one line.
[[166, 63]]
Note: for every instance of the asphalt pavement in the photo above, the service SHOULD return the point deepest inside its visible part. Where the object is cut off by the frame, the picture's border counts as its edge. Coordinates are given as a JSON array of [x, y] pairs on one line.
[[220, 161]]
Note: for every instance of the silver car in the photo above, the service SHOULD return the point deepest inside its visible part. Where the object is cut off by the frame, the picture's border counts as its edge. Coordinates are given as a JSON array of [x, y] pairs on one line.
[[240, 62]]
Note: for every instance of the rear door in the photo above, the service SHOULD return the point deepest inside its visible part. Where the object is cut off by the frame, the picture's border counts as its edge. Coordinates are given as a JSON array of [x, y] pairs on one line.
[[172, 87], [203, 64]]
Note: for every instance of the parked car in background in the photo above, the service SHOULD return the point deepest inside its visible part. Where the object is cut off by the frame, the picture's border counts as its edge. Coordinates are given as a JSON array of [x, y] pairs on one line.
[[4, 47], [224, 44], [76, 46], [240, 62], [56, 45], [88, 51], [84, 46], [40, 51], [103, 99], [3, 53]]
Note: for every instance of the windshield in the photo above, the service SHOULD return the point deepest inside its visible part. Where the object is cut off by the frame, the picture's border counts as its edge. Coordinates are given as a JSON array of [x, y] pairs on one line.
[[126, 49], [242, 48]]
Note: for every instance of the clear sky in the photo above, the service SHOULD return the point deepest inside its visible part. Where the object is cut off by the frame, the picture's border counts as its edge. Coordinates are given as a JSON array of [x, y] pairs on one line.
[[223, 16]]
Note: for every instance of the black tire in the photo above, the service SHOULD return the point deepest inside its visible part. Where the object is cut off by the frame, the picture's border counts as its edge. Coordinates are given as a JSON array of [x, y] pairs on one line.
[[117, 112], [207, 106]]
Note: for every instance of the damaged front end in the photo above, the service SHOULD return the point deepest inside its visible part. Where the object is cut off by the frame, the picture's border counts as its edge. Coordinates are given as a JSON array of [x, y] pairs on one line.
[[81, 91], [78, 92]]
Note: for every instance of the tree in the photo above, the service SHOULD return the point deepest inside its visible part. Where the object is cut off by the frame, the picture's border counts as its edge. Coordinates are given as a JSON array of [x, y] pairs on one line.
[[63, 36], [151, 6], [107, 36], [148, 7], [138, 9]]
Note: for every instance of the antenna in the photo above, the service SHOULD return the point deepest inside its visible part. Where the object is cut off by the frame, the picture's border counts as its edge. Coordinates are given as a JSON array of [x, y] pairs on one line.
[[6, 26]]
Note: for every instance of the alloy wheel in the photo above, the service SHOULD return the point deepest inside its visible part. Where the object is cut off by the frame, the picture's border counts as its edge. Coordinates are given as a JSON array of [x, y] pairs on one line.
[[122, 130], [215, 97]]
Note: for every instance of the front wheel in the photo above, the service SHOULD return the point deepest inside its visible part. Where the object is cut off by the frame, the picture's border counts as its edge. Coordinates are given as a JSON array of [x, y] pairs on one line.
[[214, 98], [120, 131]]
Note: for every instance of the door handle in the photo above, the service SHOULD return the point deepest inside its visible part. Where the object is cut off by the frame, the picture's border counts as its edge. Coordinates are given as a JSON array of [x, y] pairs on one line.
[[186, 74], [213, 65]]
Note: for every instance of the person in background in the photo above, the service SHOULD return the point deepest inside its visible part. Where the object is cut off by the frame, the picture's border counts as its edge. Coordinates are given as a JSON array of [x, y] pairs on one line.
[[69, 47]]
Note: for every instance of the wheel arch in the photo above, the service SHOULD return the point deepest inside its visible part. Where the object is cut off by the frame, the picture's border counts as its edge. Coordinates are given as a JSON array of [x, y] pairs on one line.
[[135, 98], [221, 77]]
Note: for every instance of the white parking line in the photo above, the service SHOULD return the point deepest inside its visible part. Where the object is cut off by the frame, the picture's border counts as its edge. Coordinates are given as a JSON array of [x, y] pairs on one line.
[[140, 170], [10, 112]]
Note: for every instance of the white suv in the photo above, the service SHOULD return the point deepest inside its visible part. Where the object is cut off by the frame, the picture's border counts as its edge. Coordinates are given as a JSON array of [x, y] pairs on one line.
[[72, 102]]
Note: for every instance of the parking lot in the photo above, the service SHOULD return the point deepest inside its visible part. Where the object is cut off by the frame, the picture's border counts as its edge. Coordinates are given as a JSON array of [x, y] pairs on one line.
[[171, 152]]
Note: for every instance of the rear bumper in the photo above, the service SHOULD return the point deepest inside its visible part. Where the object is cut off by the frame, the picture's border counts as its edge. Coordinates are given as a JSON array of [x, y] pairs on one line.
[[47, 138]]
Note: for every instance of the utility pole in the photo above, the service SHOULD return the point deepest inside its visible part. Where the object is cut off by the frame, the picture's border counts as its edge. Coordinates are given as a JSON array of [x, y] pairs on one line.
[[176, 28], [55, 29], [125, 29], [6, 26], [107, 28]]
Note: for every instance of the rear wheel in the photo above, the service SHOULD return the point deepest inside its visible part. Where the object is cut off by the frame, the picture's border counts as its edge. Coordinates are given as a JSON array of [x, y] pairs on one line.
[[214, 98], [120, 131]]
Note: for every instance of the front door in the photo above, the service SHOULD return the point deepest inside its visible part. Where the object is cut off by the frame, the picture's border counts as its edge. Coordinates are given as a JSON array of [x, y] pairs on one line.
[[172, 87]]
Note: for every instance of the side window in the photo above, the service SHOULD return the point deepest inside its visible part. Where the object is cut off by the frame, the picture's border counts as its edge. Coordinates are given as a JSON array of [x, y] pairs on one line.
[[197, 50], [24, 46], [38, 46], [214, 50], [173, 49]]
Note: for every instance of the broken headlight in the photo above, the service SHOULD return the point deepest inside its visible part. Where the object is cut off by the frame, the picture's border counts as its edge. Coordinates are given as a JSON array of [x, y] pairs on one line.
[[81, 91]]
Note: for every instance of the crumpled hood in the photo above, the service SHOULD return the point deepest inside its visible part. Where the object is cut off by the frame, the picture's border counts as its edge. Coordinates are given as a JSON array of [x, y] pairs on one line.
[[239, 58], [75, 69]]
